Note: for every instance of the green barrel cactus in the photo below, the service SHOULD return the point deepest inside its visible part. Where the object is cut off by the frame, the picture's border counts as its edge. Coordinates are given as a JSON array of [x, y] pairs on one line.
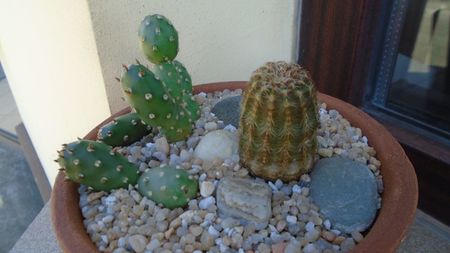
[[96, 165], [168, 186], [123, 130], [158, 39], [160, 104], [278, 123]]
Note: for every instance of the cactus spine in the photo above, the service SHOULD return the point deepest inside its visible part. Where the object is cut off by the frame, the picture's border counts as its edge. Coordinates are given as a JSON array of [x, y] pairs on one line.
[[168, 186], [96, 165], [123, 130], [278, 122], [159, 39]]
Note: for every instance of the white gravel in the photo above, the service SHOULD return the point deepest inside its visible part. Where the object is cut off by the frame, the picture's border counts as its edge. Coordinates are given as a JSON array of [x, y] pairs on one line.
[[124, 221]]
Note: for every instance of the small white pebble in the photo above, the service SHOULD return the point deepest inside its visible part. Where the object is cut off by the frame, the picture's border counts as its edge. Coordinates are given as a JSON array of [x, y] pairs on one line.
[[291, 219], [206, 188], [212, 231], [309, 226], [310, 248], [230, 128], [279, 183], [335, 231], [108, 219], [207, 202], [137, 242], [357, 236], [154, 244], [274, 187], [327, 224], [296, 188], [211, 126]]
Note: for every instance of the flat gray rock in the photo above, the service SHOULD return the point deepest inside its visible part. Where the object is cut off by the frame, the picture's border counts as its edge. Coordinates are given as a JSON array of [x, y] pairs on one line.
[[244, 199], [346, 193], [228, 110]]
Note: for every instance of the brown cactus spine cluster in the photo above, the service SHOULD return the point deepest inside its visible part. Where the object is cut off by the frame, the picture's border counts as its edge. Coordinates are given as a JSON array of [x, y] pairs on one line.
[[278, 122]]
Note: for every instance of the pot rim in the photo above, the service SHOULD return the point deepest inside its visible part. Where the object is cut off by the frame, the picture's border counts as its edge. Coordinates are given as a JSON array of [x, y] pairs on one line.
[[399, 199]]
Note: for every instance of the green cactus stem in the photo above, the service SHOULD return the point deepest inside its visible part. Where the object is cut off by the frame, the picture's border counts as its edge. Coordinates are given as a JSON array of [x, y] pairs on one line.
[[175, 76], [168, 186], [96, 165], [278, 122], [158, 104], [178, 83], [123, 130], [158, 39]]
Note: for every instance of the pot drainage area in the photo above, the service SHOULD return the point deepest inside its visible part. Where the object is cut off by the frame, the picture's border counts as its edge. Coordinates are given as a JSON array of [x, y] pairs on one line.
[[20, 200]]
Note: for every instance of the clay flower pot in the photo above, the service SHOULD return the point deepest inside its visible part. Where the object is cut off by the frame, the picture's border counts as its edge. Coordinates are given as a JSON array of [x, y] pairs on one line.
[[399, 199]]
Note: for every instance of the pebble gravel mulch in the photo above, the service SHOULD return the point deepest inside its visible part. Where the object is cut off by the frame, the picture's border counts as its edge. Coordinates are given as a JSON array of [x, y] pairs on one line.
[[124, 221]]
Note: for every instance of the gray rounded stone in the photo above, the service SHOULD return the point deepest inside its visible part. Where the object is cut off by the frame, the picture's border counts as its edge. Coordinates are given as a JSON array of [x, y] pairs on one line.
[[228, 110], [346, 193]]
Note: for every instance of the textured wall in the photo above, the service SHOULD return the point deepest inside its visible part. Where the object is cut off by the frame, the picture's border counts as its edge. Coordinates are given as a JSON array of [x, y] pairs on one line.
[[219, 40]]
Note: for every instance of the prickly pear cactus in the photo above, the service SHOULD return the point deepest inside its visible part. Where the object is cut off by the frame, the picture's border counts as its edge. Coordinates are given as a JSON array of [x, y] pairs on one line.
[[278, 122], [96, 165], [123, 130], [175, 76], [160, 104], [159, 39], [168, 186]]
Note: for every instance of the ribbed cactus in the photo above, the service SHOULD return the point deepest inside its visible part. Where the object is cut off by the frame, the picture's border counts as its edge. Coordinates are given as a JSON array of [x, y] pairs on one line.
[[156, 104], [278, 122], [168, 186], [159, 39], [96, 165], [123, 130]]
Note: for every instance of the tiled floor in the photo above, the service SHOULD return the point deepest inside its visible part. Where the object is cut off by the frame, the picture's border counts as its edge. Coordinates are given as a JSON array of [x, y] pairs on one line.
[[9, 115]]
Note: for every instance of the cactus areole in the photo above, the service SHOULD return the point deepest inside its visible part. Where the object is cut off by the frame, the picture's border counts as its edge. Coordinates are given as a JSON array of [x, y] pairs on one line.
[[168, 186], [96, 165], [278, 122], [158, 39]]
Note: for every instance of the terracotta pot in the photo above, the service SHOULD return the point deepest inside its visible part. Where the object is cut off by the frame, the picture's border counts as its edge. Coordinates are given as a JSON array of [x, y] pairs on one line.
[[389, 229]]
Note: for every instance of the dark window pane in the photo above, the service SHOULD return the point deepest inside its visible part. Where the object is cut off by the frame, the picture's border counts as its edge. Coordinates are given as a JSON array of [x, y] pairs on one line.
[[420, 85]]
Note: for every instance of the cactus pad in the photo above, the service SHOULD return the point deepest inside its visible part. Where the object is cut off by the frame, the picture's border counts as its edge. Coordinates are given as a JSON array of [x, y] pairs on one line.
[[154, 101], [278, 122], [168, 186], [123, 130], [96, 165], [175, 76], [159, 39]]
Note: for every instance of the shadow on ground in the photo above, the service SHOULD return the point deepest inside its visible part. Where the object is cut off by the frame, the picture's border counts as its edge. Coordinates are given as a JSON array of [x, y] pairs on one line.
[[20, 200]]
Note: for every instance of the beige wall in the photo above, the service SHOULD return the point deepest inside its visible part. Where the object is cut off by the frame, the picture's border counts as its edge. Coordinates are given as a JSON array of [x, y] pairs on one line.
[[61, 56], [48, 50], [220, 40]]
